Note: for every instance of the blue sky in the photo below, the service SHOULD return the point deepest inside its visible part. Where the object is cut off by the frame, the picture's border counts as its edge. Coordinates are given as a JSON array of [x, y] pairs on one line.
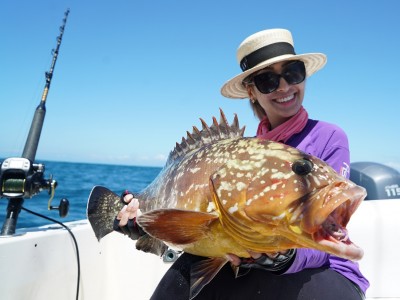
[[133, 76]]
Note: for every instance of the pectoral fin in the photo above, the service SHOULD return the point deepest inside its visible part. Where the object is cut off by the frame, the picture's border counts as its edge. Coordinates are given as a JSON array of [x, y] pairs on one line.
[[176, 226], [149, 244], [203, 272]]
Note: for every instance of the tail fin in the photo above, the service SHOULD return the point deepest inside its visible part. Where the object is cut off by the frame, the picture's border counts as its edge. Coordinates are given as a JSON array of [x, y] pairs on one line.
[[102, 208]]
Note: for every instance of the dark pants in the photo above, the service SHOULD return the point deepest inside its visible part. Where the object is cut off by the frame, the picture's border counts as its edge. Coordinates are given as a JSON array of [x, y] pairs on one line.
[[319, 283]]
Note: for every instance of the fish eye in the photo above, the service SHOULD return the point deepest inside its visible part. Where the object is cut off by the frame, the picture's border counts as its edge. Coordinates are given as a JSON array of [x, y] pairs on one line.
[[302, 166]]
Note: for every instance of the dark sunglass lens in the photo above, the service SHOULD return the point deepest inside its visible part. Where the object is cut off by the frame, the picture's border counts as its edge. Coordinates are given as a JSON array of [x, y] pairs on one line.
[[295, 73], [266, 82]]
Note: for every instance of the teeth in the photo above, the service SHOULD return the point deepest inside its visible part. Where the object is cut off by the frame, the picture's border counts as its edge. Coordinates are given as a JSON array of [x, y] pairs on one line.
[[286, 99]]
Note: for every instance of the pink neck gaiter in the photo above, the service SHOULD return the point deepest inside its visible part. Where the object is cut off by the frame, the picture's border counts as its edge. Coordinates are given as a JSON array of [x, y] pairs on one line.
[[284, 131]]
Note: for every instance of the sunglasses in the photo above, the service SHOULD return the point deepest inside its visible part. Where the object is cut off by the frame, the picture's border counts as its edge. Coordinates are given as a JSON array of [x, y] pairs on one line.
[[268, 82]]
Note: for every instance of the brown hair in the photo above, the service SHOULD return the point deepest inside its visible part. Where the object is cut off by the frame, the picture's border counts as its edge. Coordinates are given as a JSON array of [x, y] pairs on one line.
[[258, 111]]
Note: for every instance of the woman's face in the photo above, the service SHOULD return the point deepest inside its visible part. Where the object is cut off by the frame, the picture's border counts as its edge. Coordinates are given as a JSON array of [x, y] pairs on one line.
[[282, 103]]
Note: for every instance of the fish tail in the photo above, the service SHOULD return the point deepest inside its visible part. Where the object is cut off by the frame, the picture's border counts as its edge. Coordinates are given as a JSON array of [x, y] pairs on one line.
[[102, 208]]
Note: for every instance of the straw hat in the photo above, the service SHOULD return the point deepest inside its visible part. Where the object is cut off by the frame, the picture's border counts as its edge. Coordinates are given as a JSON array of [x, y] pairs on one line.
[[263, 49]]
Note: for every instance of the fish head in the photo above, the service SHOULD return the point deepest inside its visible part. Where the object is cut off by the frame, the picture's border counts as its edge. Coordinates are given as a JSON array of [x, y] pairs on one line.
[[279, 190]]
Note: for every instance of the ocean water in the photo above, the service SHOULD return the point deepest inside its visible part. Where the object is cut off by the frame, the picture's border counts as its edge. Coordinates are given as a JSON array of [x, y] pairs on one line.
[[75, 181]]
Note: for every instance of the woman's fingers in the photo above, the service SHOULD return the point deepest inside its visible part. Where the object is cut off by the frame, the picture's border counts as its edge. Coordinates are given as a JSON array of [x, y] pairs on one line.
[[127, 198], [234, 259], [128, 212]]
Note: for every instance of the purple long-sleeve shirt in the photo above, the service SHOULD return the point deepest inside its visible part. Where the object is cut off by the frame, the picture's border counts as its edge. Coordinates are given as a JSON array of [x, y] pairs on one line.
[[329, 143]]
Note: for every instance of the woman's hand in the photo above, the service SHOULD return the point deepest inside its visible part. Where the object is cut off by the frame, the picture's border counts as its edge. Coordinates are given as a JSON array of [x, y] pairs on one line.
[[237, 261], [125, 222], [130, 209], [277, 262]]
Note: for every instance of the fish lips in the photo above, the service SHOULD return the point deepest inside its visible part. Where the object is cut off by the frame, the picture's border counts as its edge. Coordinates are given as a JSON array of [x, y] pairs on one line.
[[327, 215]]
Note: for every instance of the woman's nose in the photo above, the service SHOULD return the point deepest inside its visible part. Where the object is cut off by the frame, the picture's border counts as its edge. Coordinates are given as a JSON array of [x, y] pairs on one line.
[[283, 85]]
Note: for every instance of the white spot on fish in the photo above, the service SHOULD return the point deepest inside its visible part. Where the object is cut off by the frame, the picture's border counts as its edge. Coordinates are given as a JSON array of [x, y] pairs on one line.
[[211, 207], [258, 157], [259, 164], [275, 146], [267, 189], [244, 165], [281, 175], [225, 186], [222, 173], [195, 170], [240, 186], [190, 187], [200, 186], [233, 209]]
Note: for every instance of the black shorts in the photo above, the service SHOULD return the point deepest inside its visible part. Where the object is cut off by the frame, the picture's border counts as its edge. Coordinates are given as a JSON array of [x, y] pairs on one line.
[[319, 283]]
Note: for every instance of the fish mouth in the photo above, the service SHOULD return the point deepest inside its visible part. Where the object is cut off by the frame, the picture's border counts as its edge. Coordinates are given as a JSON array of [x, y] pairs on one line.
[[341, 202]]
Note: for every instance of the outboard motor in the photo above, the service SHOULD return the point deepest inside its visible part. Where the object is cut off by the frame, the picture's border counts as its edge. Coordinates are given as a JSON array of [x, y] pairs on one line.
[[380, 181]]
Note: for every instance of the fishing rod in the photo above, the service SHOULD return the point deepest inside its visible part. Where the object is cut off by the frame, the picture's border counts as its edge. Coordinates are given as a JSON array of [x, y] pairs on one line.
[[20, 177]]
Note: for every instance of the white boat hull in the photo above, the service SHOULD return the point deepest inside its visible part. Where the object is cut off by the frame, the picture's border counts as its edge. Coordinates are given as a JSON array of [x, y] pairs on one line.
[[41, 264]]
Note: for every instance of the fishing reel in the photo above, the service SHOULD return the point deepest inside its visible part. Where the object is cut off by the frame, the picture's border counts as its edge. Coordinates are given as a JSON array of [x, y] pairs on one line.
[[19, 178]]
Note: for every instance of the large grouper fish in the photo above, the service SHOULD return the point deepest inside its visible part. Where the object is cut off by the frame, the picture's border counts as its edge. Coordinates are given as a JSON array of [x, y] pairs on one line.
[[220, 193]]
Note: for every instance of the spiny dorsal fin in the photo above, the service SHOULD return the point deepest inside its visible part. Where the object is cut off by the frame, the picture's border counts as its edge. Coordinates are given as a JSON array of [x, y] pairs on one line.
[[208, 134]]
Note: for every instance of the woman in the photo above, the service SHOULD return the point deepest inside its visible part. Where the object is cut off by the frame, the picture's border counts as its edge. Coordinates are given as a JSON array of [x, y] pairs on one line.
[[273, 78]]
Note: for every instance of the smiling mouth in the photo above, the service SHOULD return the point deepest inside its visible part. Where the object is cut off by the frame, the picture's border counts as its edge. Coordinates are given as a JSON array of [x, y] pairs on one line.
[[285, 99]]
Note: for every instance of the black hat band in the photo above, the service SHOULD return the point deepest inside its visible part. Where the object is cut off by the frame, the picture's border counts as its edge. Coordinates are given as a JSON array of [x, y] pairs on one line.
[[265, 53]]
